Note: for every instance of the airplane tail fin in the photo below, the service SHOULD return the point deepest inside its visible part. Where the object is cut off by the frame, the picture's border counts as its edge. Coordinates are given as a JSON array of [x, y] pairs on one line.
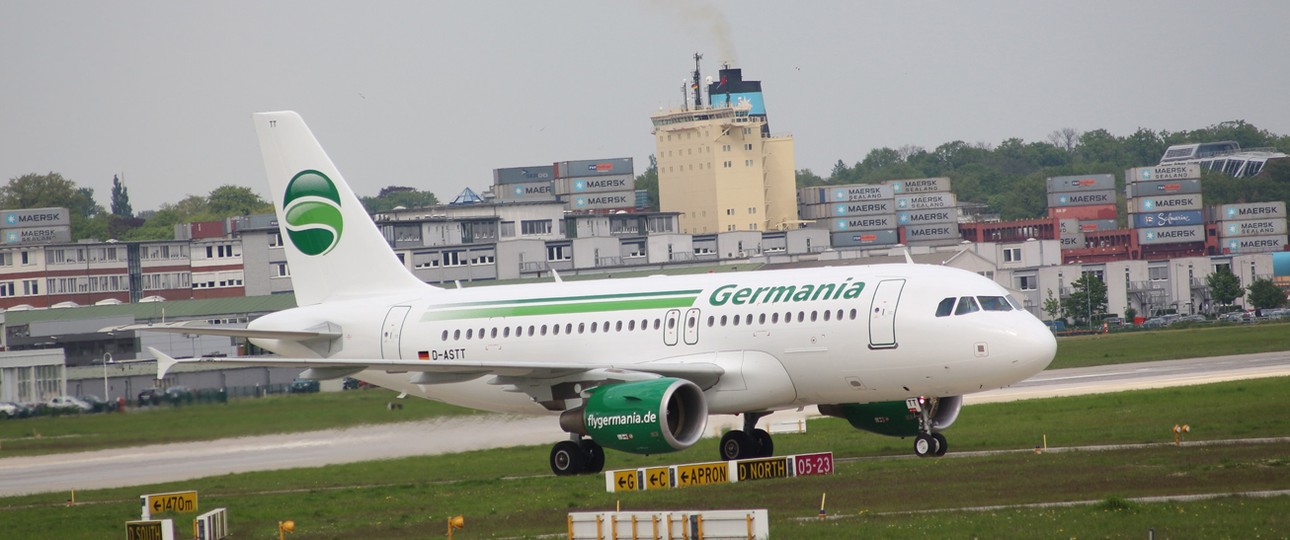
[[333, 248]]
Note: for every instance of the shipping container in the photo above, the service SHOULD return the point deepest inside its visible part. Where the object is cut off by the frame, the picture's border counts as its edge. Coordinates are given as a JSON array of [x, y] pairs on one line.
[[524, 175], [1167, 187], [925, 217], [941, 231], [594, 167], [537, 191], [1087, 182], [1094, 225], [1073, 242], [1101, 211], [1255, 244], [594, 184], [1067, 228], [919, 185], [1253, 227], [1090, 198], [1172, 203], [602, 201], [863, 238], [848, 193], [859, 208], [1149, 220], [1176, 171], [925, 201], [1172, 235], [36, 217], [863, 223], [38, 235], [1260, 210]]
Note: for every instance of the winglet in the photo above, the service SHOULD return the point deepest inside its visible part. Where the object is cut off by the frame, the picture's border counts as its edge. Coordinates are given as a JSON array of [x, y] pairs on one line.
[[164, 362]]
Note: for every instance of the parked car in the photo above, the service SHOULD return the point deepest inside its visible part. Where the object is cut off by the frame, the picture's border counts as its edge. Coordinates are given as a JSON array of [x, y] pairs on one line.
[[68, 403], [9, 410], [1188, 318], [303, 386], [179, 394], [150, 396], [1159, 322], [96, 403]]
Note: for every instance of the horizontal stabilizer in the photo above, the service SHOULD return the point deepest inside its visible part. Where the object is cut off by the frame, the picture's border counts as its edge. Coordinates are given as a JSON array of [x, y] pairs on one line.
[[181, 328]]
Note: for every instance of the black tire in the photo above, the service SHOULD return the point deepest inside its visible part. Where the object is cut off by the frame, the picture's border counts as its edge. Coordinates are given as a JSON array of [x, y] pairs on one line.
[[736, 445], [765, 445], [567, 459], [924, 445], [942, 445], [594, 456]]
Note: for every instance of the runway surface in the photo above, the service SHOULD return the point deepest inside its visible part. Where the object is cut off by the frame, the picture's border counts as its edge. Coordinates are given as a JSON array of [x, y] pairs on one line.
[[183, 461]]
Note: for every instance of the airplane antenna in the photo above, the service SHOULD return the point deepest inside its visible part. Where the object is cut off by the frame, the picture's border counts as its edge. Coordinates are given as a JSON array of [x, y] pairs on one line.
[[458, 282], [909, 259], [556, 275]]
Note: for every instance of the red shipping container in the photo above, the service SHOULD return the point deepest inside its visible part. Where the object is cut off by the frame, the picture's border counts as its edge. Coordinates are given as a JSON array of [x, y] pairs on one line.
[[1083, 213]]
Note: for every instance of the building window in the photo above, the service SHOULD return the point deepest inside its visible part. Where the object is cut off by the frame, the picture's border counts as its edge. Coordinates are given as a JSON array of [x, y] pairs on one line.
[[1027, 283], [1012, 255], [535, 226]]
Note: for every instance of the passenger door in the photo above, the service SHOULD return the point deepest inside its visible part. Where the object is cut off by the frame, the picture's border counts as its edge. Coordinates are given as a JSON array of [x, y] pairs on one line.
[[882, 314]]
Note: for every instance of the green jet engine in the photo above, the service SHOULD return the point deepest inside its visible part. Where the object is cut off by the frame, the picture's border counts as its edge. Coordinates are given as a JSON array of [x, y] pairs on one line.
[[642, 417], [893, 418]]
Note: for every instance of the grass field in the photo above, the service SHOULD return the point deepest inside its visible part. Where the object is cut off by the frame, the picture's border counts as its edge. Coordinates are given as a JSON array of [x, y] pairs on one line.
[[1171, 344], [510, 493]]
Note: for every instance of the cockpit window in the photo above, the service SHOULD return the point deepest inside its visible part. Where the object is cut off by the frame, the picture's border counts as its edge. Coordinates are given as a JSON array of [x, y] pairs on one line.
[[1015, 304], [945, 308], [994, 303], [967, 304]]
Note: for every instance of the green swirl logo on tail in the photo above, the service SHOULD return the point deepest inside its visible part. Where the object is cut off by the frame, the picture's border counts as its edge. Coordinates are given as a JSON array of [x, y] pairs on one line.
[[312, 208]]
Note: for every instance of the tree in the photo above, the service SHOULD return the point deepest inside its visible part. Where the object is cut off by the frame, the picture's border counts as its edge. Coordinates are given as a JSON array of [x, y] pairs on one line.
[[1224, 286], [1065, 138], [648, 181], [121, 199], [806, 178], [1264, 294], [395, 196], [53, 191], [1087, 300], [228, 201], [1052, 306]]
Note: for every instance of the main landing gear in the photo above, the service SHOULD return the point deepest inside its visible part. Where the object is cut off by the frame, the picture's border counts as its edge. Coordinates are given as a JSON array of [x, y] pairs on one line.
[[577, 456], [749, 443], [926, 443]]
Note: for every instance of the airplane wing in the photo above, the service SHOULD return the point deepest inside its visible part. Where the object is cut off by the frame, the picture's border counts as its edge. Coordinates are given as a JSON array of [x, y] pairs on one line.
[[529, 377]]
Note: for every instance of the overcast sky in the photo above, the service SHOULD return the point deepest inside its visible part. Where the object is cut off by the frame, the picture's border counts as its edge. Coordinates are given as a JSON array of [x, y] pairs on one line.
[[437, 94]]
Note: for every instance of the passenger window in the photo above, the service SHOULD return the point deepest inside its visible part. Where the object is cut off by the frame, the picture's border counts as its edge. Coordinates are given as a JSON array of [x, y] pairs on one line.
[[801, 316], [568, 328], [994, 303], [853, 314], [469, 333], [945, 308], [774, 318], [671, 323], [532, 329], [748, 319], [543, 331], [555, 329], [966, 305], [506, 332], [445, 335], [723, 320], [826, 314], [593, 326], [618, 326], [761, 319], [812, 316], [631, 325], [711, 320], [582, 327], [735, 320], [492, 333]]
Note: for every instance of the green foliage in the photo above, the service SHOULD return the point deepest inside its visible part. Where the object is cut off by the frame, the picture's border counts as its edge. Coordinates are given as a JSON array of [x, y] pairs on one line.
[[121, 199], [648, 181], [391, 197], [1052, 306], [1224, 286], [1087, 299], [1264, 294], [53, 191], [228, 201]]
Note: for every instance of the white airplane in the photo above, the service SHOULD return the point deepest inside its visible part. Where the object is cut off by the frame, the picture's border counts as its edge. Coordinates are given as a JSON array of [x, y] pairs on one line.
[[637, 364]]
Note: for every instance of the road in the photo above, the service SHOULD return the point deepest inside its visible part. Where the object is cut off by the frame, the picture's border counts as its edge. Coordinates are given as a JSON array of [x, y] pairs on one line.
[[184, 461]]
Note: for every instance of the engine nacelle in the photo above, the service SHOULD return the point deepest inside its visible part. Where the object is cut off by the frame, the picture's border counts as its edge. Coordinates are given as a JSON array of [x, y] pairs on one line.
[[894, 418], [643, 417]]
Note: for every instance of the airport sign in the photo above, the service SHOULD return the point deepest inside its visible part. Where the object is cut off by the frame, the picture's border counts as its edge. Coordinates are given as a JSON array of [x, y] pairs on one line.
[[624, 480], [813, 464], [176, 501], [656, 478], [702, 474], [158, 529], [761, 469]]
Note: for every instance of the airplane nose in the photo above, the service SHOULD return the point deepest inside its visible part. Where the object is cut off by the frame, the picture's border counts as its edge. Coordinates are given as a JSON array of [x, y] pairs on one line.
[[1039, 346]]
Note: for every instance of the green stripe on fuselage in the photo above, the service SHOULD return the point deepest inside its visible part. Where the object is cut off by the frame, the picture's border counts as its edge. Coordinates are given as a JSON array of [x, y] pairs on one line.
[[563, 308]]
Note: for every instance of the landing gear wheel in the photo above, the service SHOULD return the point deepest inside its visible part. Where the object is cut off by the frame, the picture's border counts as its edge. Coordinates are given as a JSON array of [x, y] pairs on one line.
[[736, 445], [765, 446], [594, 456], [941, 445], [924, 445], [567, 459]]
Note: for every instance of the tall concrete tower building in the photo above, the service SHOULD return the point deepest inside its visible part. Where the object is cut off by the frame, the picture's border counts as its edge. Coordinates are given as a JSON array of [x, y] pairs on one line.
[[718, 164]]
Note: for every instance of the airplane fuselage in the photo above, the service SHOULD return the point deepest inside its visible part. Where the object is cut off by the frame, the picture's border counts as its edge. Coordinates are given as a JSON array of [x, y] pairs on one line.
[[787, 338]]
